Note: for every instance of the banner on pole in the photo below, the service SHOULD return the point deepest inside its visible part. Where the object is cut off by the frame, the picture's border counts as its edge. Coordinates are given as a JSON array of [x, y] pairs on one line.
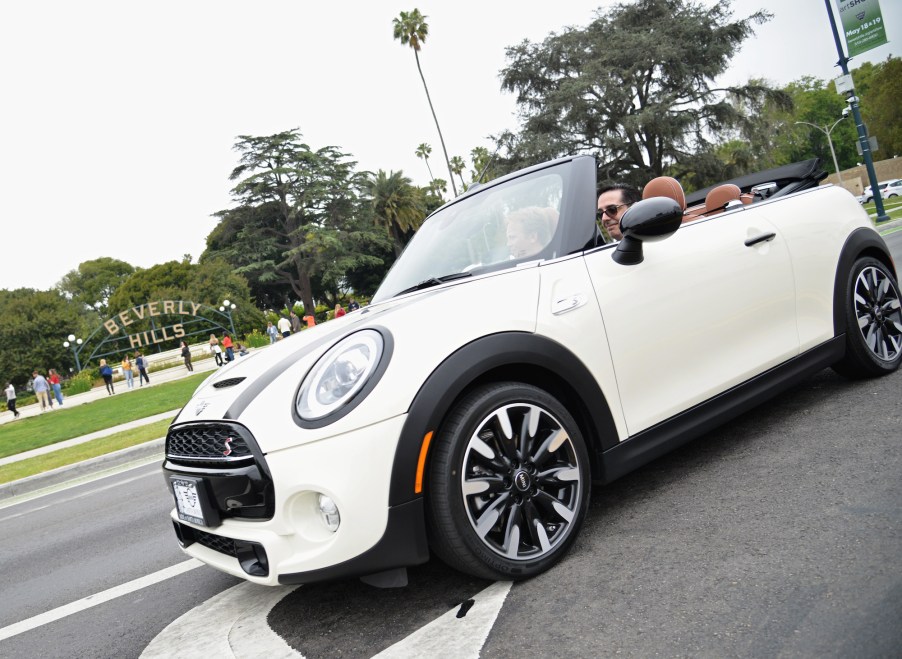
[[862, 23]]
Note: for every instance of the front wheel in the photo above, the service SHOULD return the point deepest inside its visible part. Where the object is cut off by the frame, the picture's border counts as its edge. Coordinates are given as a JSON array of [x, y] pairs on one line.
[[508, 483], [873, 321]]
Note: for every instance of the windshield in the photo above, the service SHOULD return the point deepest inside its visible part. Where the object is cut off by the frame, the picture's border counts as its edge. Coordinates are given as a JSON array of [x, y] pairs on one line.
[[499, 227]]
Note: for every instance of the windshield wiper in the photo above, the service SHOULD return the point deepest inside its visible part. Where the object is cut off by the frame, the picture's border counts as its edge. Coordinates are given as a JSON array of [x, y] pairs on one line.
[[434, 281]]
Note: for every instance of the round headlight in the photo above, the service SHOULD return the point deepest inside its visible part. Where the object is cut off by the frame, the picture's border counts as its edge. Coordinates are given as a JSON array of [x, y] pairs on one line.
[[339, 374]]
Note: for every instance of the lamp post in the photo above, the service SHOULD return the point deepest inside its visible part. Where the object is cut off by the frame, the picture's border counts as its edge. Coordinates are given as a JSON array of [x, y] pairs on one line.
[[228, 307], [827, 131], [75, 344]]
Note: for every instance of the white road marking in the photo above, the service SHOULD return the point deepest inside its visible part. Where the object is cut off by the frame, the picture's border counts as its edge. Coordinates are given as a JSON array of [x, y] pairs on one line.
[[453, 637], [231, 624], [79, 496], [99, 598]]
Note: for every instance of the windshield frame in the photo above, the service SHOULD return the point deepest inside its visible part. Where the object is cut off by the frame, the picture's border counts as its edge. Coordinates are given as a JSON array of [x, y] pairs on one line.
[[575, 228]]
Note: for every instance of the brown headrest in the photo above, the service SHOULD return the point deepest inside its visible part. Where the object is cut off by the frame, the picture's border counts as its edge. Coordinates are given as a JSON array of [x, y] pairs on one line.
[[665, 186], [717, 199]]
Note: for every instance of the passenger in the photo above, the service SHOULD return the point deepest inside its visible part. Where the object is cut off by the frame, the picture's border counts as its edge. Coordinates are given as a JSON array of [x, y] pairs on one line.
[[613, 202], [529, 230]]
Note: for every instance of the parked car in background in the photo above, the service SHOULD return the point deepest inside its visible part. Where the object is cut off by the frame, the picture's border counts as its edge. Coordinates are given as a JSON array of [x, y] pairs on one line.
[[890, 188], [513, 359]]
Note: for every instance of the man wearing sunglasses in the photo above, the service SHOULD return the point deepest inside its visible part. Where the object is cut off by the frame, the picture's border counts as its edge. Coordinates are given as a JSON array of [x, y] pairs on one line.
[[613, 200]]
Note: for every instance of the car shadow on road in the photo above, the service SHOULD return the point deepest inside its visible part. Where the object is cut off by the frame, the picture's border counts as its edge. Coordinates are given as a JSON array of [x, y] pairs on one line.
[[351, 619]]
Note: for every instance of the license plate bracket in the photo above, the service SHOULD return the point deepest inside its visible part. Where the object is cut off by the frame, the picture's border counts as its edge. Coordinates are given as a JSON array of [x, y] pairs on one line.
[[191, 501]]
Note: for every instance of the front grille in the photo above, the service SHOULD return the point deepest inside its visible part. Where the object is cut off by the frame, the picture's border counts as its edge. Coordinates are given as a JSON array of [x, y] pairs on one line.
[[215, 542], [231, 382], [207, 442]]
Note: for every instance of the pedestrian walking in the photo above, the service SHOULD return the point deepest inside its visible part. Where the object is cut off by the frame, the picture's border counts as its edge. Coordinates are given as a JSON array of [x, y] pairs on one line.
[[127, 369], [271, 332], [186, 355], [54, 378], [41, 389], [141, 363], [216, 349], [227, 345], [11, 399], [295, 322], [284, 327], [106, 372]]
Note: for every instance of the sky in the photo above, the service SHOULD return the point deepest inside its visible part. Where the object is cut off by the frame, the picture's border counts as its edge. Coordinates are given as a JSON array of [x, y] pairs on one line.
[[118, 118]]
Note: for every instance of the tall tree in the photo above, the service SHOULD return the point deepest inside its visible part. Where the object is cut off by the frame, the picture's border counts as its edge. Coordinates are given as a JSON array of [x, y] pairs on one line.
[[424, 151], [880, 105], [93, 282], [397, 205], [411, 29], [458, 166], [310, 191], [635, 87], [33, 326]]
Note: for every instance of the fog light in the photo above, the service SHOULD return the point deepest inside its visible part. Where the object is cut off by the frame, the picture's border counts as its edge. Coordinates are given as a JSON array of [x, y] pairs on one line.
[[329, 512]]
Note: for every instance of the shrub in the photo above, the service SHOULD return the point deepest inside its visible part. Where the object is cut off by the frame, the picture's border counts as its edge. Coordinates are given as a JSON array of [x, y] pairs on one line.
[[255, 339], [79, 383]]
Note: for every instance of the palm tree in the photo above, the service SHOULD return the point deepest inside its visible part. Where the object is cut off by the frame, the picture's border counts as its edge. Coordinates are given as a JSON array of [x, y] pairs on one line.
[[424, 151], [397, 205], [458, 166], [411, 30]]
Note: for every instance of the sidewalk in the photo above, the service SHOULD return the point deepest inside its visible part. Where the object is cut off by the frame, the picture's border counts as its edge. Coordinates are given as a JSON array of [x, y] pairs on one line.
[[156, 377]]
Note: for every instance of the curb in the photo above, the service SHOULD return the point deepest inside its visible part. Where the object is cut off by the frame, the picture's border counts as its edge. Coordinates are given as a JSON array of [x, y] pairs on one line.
[[140, 454]]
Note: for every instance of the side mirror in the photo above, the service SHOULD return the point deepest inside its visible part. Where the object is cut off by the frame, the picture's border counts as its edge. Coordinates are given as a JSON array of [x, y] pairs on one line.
[[648, 220]]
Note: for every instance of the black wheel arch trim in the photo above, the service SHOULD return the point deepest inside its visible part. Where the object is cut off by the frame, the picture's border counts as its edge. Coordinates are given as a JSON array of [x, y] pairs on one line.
[[861, 242], [490, 358]]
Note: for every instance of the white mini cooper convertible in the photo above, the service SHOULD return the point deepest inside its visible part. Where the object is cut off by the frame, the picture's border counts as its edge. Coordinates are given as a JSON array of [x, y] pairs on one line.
[[471, 407]]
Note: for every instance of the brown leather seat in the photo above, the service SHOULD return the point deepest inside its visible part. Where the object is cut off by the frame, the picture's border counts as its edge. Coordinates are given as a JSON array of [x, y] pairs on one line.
[[716, 200], [665, 186]]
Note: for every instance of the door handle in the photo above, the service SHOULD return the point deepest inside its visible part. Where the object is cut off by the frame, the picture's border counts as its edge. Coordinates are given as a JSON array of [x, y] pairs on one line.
[[763, 238]]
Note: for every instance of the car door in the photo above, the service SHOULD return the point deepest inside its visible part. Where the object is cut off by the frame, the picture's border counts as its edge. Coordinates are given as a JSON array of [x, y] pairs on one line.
[[709, 307]]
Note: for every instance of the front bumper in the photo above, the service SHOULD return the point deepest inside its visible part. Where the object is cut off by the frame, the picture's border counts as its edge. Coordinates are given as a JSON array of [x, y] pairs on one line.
[[294, 545]]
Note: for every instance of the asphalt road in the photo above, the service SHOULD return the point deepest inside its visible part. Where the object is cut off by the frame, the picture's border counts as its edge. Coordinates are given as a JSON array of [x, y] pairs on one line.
[[779, 534]]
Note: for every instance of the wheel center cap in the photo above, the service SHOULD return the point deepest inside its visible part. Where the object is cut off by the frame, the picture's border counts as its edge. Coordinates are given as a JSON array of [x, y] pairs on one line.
[[522, 480]]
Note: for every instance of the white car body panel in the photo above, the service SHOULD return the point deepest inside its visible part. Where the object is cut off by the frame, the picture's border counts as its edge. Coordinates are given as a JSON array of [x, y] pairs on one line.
[[711, 332]]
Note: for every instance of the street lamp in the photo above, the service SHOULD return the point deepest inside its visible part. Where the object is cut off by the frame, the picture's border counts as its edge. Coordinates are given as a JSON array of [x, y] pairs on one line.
[[228, 307], [75, 344], [827, 131]]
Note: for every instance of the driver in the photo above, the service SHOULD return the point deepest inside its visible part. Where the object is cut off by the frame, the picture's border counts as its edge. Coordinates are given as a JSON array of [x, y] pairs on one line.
[[529, 230]]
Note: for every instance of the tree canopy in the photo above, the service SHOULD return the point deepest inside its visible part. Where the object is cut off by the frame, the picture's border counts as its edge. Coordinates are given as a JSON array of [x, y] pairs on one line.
[[635, 87]]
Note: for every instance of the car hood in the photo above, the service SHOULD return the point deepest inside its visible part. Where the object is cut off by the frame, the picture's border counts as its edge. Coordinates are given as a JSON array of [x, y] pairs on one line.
[[259, 390]]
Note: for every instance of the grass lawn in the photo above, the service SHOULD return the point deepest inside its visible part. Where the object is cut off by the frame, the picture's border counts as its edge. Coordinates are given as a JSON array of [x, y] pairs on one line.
[[68, 422], [92, 449]]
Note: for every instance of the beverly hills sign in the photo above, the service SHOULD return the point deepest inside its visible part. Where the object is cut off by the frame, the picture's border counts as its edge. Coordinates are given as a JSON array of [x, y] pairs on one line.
[[144, 338], [153, 324]]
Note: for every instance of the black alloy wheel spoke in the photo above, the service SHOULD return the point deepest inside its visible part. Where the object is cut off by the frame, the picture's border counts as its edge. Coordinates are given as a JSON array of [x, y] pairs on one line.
[[553, 506], [511, 544], [534, 526], [483, 485], [551, 444]]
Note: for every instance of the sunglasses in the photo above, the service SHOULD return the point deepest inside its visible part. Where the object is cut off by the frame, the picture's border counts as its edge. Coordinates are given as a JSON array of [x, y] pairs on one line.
[[611, 211]]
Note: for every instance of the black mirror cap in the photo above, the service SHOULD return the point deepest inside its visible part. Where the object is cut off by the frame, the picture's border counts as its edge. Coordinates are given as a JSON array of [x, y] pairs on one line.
[[648, 220]]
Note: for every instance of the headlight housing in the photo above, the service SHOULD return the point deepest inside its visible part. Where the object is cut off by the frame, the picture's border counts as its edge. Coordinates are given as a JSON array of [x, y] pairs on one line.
[[340, 375]]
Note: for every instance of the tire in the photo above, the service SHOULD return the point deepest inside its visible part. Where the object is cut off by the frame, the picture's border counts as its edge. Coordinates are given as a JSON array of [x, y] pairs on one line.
[[509, 483], [873, 321]]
